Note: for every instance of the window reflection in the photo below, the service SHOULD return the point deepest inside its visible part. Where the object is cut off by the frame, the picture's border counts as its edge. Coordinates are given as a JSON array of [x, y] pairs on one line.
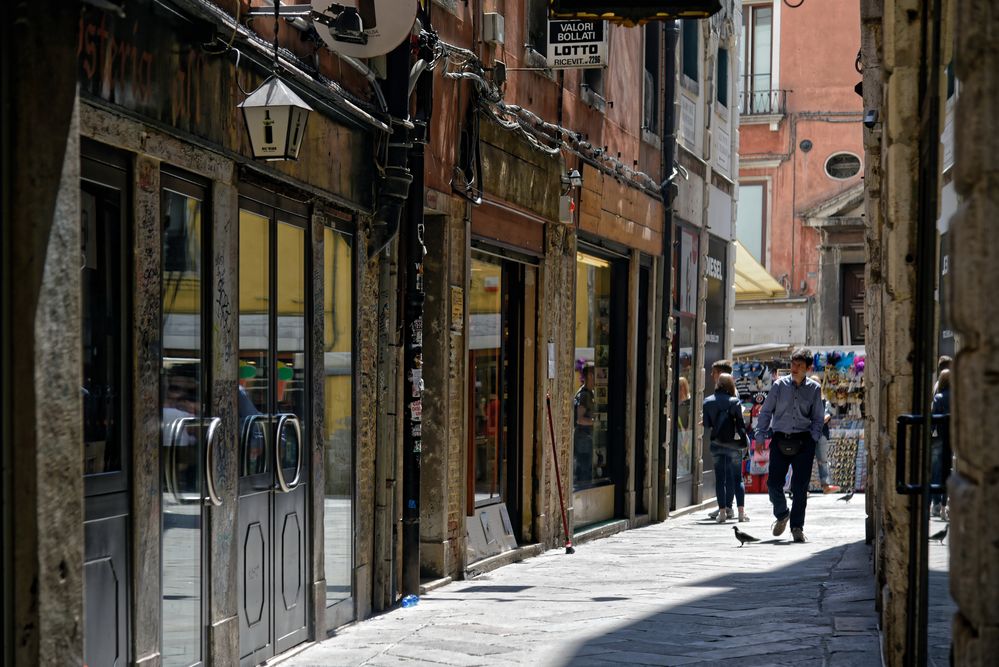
[[338, 331], [290, 375], [101, 310], [592, 364], [487, 368], [684, 409], [254, 335], [181, 395]]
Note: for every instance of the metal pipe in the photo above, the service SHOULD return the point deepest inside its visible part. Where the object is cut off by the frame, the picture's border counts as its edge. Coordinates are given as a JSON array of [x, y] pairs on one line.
[[666, 433], [924, 342]]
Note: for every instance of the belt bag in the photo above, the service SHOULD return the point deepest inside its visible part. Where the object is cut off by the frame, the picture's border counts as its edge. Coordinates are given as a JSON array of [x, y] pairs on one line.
[[790, 447]]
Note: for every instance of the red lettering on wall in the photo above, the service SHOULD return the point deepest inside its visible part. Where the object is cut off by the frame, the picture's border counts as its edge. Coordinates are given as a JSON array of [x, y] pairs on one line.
[[122, 70]]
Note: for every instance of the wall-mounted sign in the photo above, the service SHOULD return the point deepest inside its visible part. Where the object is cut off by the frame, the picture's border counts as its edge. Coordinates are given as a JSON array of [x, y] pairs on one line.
[[577, 44], [364, 28]]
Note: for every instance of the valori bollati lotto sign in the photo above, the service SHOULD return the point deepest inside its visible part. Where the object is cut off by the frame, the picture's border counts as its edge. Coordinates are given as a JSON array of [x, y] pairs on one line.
[[576, 44]]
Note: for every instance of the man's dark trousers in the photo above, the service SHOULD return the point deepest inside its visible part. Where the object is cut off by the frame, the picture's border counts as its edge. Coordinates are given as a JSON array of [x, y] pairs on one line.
[[801, 476]]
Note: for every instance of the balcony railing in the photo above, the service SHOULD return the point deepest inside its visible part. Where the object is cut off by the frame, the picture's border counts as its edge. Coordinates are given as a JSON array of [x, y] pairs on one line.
[[756, 102]]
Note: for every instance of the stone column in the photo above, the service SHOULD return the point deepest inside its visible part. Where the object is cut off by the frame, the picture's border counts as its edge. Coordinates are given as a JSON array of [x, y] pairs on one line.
[[42, 410], [378, 358], [147, 314], [635, 442], [891, 284], [442, 488], [974, 485], [556, 318]]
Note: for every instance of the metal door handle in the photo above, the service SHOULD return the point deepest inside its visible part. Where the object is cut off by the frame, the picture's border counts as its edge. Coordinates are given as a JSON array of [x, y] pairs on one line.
[[247, 434], [902, 487], [176, 428], [284, 420], [213, 429], [170, 472]]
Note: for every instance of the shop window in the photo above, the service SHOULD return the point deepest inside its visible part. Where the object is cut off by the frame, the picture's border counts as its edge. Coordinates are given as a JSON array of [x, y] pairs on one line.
[[180, 252], [537, 26], [651, 78], [184, 379], [338, 412], [685, 343], [593, 88], [685, 281], [591, 404], [689, 49], [488, 369], [721, 84], [688, 278], [102, 280], [751, 219]]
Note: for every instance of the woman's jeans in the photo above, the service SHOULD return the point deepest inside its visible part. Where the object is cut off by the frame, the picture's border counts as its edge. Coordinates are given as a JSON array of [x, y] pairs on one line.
[[822, 458], [728, 476], [940, 464]]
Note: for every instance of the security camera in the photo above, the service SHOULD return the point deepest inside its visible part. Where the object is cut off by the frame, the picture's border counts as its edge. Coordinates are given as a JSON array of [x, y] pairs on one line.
[[870, 118]]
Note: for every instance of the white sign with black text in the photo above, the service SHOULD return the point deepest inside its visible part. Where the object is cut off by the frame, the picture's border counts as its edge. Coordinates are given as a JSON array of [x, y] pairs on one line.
[[577, 44]]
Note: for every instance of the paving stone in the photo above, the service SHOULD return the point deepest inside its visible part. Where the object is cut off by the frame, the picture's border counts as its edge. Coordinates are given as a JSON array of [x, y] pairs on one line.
[[681, 592]]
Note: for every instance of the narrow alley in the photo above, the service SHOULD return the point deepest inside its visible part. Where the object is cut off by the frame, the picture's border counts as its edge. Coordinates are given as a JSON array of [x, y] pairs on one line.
[[676, 593]]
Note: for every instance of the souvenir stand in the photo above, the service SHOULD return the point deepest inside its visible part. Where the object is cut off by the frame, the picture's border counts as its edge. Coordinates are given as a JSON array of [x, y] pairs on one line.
[[842, 373]]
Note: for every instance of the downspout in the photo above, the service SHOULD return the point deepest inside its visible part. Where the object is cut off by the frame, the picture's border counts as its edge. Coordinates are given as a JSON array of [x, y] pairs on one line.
[[925, 339], [392, 193], [414, 252], [672, 30]]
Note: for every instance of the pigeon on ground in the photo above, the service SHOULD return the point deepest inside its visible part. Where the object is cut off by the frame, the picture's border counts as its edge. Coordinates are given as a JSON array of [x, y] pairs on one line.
[[846, 498], [939, 536], [743, 537]]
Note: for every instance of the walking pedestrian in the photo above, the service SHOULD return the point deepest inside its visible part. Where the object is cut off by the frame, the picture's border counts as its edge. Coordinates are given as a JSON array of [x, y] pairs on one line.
[[822, 446], [739, 496], [793, 410], [726, 430], [940, 463]]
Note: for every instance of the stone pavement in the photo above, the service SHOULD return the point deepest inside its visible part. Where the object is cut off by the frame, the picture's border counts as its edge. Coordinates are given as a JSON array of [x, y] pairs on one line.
[[676, 593]]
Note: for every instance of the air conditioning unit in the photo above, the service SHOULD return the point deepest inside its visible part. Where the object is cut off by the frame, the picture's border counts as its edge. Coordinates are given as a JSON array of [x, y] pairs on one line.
[[493, 31]]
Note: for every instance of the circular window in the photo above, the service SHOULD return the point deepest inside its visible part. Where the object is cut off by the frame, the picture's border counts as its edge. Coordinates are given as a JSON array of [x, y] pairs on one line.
[[842, 165]]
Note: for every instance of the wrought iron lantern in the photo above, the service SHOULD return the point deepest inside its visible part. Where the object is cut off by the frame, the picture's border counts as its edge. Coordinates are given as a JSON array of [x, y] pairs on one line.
[[275, 120]]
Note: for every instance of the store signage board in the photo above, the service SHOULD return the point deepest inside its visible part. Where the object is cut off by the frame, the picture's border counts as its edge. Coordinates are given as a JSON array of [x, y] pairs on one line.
[[577, 44]]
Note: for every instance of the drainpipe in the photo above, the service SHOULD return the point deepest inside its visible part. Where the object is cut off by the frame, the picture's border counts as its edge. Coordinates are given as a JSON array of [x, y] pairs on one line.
[[413, 253], [672, 30], [392, 192]]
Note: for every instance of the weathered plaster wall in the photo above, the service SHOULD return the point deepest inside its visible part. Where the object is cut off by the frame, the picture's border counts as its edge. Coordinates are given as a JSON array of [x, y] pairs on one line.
[[374, 479], [556, 318], [442, 486], [42, 219], [974, 486], [891, 61]]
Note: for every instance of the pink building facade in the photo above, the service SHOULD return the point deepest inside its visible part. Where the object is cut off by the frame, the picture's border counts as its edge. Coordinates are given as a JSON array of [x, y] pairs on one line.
[[801, 171]]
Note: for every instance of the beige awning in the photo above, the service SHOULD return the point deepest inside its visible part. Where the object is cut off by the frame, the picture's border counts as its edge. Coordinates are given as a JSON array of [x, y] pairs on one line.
[[752, 281]]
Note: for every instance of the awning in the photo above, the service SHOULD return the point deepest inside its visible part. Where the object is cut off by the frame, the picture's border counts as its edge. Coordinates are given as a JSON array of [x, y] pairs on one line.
[[761, 351], [752, 281]]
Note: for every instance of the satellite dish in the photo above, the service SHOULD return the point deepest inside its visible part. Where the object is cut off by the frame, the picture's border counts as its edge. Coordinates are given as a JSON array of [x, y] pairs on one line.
[[364, 28]]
